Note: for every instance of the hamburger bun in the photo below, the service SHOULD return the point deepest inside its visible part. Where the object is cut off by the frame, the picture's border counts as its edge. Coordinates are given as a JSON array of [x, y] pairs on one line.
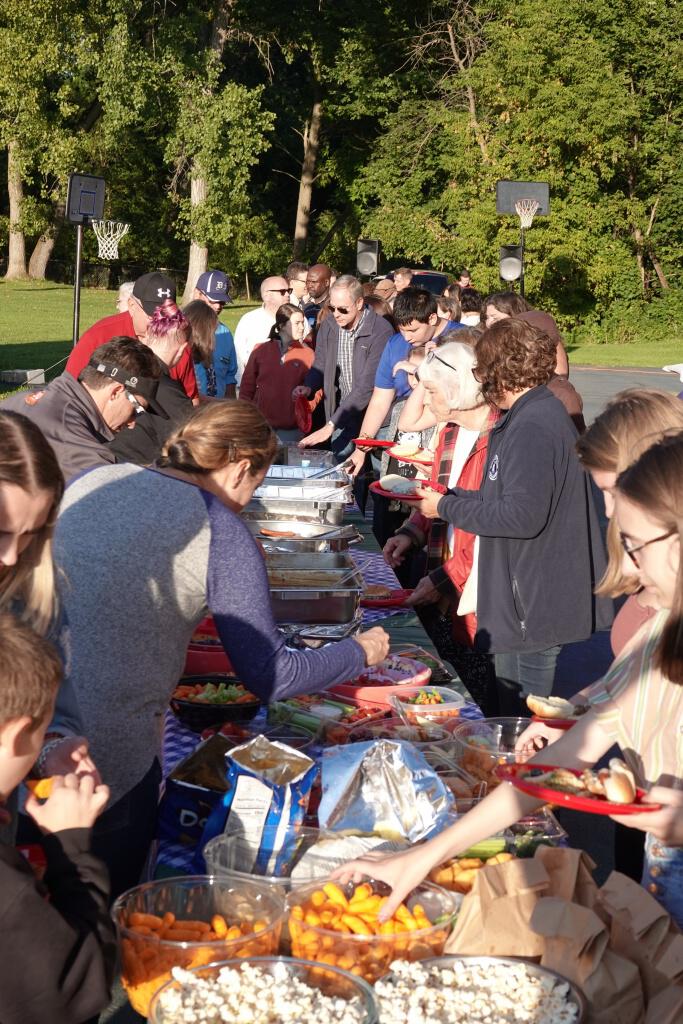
[[376, 591], [620, 783], [550, 707], [397, 484], [405, 450], [593, 782]]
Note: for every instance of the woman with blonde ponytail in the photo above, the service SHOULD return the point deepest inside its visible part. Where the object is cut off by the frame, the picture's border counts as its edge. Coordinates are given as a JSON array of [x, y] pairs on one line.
[[144, 553]]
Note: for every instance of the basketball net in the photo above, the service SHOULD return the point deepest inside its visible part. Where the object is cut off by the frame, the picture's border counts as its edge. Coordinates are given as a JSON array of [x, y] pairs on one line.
[[109, 233], [526, 211]]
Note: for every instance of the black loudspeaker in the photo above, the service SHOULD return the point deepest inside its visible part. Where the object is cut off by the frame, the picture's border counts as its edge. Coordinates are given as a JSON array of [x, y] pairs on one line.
[[511, 262], [367, 256]]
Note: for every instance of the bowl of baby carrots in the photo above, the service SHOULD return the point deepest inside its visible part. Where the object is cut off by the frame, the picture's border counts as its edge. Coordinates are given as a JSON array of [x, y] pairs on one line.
[[340, 925], [191, 921]]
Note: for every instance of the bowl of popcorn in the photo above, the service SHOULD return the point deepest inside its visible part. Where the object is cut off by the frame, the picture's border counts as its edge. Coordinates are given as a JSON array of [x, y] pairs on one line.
[[484, 744], [479, 990], [264, 990], [188, 922], [338, 925]]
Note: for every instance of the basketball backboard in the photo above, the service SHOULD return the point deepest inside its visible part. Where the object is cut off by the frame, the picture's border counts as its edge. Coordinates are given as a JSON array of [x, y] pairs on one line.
[[84, 198], [509, 192]]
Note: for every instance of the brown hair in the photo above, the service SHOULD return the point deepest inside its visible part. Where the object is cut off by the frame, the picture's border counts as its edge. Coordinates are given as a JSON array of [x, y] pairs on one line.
[[509, 303], [284, 314], [655, 483], [450, 303], [128, 353], [381, 308], [631, 423], [28, 461], [30, 672], [219, 433], [511, 356], [203, 322]]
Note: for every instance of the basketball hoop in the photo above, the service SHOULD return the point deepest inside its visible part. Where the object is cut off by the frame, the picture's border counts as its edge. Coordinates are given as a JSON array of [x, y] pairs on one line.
[[109, 233], [526, 211]]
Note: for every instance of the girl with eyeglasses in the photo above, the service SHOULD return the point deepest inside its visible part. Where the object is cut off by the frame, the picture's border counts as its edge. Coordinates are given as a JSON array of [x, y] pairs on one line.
[[638, 704]]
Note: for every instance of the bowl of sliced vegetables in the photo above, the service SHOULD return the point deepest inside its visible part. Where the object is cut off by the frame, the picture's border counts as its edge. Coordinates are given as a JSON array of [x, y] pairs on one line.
[[203, 701]]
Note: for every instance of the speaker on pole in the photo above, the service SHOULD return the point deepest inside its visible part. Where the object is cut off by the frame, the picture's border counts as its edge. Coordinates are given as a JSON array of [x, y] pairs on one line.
[[367, 256], [511, 264]]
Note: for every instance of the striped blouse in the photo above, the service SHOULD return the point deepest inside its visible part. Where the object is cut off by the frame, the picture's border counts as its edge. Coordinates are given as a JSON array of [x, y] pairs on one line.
[[642, 711]]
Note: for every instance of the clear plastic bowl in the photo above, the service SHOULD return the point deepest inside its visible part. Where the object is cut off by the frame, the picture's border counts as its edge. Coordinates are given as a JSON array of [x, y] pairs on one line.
[[331, 981], [230, 856], [370, 955], [487, 743], [254, 911], [421, 736], [445, 714]]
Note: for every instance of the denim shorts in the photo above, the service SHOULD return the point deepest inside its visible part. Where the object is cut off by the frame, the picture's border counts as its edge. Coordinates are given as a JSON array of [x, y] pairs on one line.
[[663, 876]]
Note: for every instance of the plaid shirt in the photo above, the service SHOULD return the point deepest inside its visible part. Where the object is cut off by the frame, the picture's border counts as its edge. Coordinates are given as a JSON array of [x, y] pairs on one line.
[[345, 357]]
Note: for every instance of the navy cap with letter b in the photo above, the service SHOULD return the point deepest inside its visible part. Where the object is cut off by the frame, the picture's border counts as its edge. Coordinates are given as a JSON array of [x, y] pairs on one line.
[[215, 285]]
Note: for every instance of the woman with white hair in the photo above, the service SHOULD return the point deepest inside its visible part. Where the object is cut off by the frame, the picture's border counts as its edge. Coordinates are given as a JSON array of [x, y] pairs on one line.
[[451, 396]]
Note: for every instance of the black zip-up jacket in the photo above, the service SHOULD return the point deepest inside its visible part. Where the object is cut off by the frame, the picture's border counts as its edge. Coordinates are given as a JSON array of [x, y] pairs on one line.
[[541, 552], [57, 946]]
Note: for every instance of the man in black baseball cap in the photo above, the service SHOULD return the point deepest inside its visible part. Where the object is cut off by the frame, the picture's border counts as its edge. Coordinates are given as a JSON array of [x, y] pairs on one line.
[[80, 417], [149, 293]]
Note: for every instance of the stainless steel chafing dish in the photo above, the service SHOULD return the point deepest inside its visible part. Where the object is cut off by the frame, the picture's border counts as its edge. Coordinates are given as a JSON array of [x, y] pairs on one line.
[[317, 510], [322, 588], [292, 455], [333, 476], [308, 537]]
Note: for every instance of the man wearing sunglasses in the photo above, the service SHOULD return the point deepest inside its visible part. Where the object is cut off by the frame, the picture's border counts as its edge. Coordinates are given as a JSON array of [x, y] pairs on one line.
[[79, 417], [349, 345], [254, 327]]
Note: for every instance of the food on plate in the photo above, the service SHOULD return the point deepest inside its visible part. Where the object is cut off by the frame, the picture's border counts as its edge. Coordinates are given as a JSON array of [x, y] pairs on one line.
[[616, 783], [263, 532], [41, 788], [260, 996], [405, 450], [150, 948], [340, 925], [458, 874], [554, 707], [476, 992], [397, 484], [376, 591], [210, 693]]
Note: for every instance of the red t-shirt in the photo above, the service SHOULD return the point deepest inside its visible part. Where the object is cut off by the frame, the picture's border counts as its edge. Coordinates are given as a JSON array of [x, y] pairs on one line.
[[121, 325]]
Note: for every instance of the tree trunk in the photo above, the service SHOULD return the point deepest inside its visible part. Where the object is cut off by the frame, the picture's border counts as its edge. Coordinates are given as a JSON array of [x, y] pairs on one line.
[[308, 166], [199, 254], [37, 265], [16, 259]]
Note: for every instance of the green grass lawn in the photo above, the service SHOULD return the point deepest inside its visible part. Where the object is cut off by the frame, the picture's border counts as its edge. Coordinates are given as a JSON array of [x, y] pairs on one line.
[[36, 319]]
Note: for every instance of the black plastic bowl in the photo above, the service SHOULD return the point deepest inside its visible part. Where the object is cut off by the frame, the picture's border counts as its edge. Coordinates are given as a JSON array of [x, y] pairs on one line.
[[198, 715]]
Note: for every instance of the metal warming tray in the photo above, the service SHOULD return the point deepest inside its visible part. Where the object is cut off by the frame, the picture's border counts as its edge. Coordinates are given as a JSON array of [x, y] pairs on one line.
[[302, 475], [292, 455], [297, 509], [322, 588], [309, 490], [308, 537]]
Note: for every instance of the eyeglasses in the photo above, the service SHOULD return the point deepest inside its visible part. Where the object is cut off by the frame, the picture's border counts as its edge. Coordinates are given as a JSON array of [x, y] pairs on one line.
[[633, 551], [134, 402], [339, 309], [280, 291], [431, 355]]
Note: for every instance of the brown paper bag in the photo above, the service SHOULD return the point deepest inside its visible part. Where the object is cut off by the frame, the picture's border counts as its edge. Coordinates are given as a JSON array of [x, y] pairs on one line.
[[570, 873], [667, 1007], [576, 946], [494, 917]]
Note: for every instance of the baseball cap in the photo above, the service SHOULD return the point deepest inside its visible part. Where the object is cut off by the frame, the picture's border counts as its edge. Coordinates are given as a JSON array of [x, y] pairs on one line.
[[145, 386], [216, 285], [152, 290]]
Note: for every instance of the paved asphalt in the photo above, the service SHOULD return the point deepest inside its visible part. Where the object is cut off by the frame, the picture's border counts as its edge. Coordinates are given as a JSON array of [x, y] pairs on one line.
[[597, 385]]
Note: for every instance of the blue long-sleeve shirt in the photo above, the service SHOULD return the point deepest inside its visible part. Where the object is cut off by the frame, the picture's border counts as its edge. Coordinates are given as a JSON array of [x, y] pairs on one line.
[[215, 380]]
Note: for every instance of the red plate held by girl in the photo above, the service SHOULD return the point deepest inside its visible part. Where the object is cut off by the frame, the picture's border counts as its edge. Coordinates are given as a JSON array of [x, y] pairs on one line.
[[520, 775], [395, 600], [372, 442]]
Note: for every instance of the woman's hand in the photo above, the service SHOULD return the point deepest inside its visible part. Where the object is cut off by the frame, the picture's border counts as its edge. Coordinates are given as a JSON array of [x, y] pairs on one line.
[[71, 755], [355, 462], [75, 802], [402, 871], [375, 644], [535, 737], [396, 549], [665, 825], [425, 593], [428, 503], [406, 366]]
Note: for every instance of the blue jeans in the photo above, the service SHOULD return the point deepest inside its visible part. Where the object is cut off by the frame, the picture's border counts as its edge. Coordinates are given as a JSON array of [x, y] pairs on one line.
[[663, 876], [521, 673]]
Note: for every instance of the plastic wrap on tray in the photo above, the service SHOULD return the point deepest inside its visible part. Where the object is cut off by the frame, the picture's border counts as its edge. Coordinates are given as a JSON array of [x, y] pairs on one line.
[[383, 787]]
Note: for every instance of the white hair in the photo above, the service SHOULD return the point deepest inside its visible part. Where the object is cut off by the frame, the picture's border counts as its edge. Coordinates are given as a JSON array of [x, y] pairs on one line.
[[350, 284], [450, 370]]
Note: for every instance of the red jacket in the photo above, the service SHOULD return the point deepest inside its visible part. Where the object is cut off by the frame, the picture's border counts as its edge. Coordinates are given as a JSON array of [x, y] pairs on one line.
[[268, 380], [121, 326], [450, 573]]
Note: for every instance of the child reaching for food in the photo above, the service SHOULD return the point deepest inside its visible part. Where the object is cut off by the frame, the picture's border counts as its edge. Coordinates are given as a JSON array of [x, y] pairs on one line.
[[638, 705], [57, 950]]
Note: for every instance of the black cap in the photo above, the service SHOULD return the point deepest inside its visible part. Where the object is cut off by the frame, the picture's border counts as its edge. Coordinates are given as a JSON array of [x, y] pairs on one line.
[[144, 386], [152, 290]]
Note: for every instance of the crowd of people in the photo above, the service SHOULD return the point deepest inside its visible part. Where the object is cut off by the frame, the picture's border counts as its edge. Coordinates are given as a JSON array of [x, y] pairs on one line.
[[103, 584]]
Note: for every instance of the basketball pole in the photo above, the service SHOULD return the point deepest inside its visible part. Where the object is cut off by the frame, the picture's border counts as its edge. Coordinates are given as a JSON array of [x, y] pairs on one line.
[[77, 281], [521, 275]]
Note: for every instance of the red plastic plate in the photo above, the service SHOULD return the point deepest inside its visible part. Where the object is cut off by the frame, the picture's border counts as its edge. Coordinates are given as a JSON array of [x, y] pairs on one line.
[[392, 495], [515, 773], [398, 598], [372, 442], [556, 723]]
